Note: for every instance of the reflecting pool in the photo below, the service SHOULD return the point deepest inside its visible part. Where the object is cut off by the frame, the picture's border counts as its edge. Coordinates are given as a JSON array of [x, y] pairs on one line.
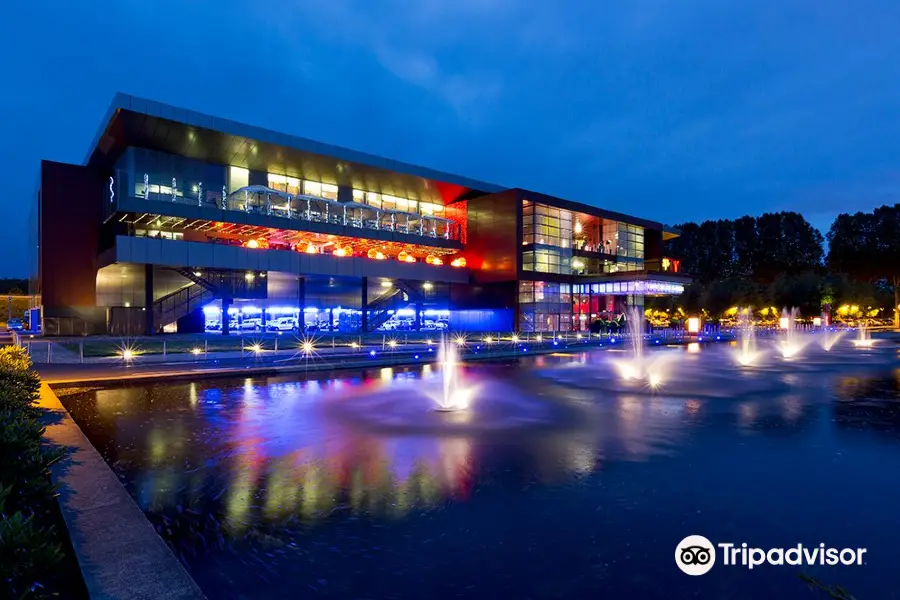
[[560, 479]]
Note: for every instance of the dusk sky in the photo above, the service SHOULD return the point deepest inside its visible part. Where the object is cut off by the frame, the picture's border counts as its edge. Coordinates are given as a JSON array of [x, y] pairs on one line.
[[667, 110]]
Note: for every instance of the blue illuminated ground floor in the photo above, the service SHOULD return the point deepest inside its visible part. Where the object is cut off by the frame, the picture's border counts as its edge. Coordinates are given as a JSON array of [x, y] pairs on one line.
[[144, 299]]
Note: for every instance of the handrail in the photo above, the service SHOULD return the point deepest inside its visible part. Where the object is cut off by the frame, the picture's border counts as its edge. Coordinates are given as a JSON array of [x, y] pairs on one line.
[[327, 210]]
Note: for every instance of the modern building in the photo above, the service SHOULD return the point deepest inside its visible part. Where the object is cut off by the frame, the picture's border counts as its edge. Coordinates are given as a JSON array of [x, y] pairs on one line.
[[178, 221]]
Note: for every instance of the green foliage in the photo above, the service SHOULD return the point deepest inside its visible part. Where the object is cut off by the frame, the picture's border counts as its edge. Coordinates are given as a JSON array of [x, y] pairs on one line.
[[13, 286], [757, 248], [803, 291], [29, 548]]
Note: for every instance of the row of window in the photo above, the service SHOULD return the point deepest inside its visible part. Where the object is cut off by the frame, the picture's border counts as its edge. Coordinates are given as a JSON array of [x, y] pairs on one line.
[[144, 173]]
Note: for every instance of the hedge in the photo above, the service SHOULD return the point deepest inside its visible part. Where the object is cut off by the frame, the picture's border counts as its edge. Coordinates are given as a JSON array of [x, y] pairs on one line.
[[31, 545]]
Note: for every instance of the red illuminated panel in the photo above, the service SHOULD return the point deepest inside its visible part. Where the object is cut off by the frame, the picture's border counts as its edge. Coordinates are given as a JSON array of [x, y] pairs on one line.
[[458, 213]]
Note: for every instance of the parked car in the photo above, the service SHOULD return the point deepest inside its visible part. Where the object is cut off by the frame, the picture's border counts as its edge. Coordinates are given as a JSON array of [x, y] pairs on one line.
[[251, 325], [15, 325], [282, 324]]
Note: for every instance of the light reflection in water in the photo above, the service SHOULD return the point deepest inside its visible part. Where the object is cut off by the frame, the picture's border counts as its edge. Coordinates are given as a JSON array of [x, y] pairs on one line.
[[268, 451]]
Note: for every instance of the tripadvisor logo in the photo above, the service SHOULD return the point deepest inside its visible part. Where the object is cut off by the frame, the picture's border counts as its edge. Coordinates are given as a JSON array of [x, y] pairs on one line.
[[696, 555]]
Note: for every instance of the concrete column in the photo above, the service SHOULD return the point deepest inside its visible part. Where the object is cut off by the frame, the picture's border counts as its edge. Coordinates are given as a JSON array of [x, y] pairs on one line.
[[364, 305], [149, 325], [301, 305], [226, 318]]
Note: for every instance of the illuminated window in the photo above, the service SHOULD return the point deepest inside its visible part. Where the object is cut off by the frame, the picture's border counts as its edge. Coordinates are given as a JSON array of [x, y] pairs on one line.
[[282, 183], [373, 199], [238, 177]]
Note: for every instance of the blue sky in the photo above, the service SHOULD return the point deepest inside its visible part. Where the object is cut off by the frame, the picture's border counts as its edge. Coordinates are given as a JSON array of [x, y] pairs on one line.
[[668, 110]]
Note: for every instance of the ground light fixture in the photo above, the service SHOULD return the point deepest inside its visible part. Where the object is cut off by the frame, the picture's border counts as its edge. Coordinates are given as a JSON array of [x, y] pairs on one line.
[[354, 345], [427, 286], [515, 339], [256, 348], [196, 351], [693, 325], [392, 343], [460, 340]]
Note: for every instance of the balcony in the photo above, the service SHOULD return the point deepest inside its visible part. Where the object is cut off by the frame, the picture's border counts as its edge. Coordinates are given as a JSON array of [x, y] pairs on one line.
[[260, 205]]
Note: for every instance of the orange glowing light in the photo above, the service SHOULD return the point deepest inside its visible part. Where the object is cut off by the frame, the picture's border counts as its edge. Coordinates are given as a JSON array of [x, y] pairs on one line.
[[380, 256], [403, 256], [458, 262], [410, 259], [372, 253], [252, 244], [310, 249], [339, 252]]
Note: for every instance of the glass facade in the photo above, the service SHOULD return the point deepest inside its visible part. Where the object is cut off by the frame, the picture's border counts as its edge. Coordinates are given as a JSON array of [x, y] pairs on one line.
[[550, 234], [161, 177], [545, 306], [547, 238]]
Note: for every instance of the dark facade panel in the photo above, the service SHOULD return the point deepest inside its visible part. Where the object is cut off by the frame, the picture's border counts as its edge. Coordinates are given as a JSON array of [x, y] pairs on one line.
[[70, 216], [494, 236]]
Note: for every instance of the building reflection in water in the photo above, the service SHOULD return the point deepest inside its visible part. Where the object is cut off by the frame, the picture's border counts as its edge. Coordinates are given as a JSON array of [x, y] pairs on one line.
[[264, 452]]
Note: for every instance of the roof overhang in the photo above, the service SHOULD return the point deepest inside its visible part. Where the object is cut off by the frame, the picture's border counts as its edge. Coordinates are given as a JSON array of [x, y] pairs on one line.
[[132, 121]]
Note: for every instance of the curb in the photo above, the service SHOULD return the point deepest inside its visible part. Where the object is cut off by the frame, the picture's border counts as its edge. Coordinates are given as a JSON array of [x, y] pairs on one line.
[[120, 555]]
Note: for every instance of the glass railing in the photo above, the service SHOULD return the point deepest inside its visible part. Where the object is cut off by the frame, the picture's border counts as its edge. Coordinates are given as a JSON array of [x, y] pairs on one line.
[[260, 200]]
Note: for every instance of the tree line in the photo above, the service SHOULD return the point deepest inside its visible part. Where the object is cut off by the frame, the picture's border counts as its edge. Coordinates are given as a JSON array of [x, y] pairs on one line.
[[779, 259]]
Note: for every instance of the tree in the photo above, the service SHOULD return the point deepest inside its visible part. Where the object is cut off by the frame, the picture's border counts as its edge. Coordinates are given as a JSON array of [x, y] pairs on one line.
[[804, 291], [759, 248], [866, 247]]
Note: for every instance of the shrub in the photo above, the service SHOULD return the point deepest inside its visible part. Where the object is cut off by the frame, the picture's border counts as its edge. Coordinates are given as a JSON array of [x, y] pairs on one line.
[[29, 547]]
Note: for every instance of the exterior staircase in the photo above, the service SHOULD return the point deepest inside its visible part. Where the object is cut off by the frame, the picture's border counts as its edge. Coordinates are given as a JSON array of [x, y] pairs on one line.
[[180, 303]]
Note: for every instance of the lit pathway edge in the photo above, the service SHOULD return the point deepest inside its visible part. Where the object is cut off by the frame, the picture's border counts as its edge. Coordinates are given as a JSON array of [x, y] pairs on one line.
[[119, 553]]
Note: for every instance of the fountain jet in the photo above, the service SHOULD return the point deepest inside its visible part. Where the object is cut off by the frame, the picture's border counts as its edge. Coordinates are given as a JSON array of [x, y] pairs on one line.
[[792, 343], [829, 339], [863, 337], [454, 395], [652, 369], [747, 355]]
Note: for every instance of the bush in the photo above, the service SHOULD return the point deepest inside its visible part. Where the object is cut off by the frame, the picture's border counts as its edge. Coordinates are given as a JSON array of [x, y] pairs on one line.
[[29, 546]]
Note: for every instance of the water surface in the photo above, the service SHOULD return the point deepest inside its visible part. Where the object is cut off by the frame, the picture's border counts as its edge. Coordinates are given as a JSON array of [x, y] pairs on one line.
[[560, 482]]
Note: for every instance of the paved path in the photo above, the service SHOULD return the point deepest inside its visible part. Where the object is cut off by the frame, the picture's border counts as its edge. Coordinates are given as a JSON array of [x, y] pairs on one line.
[[59, 374]]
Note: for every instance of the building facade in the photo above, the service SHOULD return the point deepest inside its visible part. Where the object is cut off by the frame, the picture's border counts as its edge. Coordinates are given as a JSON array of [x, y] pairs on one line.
[[177, 221]]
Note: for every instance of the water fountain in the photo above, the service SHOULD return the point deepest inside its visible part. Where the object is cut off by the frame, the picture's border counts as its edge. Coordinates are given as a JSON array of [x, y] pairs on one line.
[[747, 354], [829, 338], [454, 395], [793, 341], [863, 337], [650, 369]]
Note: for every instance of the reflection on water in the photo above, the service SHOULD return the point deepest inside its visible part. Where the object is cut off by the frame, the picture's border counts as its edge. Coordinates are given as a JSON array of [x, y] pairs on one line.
[[549, 467]]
